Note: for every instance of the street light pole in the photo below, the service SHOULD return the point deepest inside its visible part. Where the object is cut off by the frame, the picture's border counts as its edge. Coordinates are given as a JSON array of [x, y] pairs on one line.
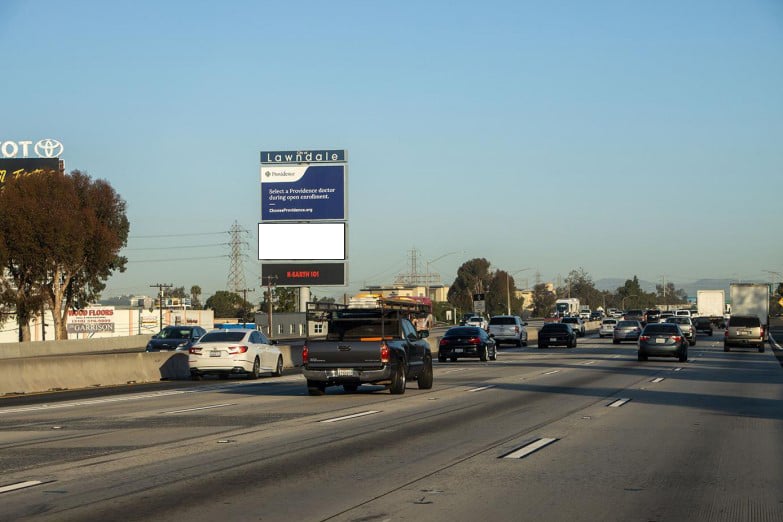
[[427, 281], [622, 305], [508, 288]]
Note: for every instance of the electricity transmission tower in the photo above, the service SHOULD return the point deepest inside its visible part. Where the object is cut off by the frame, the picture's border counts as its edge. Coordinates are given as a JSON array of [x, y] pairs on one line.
[[236, 272]]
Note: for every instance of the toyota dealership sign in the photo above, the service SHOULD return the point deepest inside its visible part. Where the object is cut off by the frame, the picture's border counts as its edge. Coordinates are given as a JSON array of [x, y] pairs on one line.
[[45, 148]]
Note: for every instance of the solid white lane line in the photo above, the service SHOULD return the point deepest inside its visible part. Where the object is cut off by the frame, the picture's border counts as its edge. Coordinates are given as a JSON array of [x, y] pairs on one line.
[[677, 369], [20, 485], [354, 416], [588, 363], [550, 373], [527, 449], [616, 356], [481, 388], [201, 408], [657, 379], [618, 403]]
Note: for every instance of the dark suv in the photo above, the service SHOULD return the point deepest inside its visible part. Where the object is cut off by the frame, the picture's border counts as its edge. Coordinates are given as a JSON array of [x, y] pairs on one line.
[[652, 316], [175, 338], [744, 330], [556, 333]]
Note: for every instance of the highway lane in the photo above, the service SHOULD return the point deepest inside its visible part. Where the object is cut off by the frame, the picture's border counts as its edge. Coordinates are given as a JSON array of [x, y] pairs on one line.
[[702, 443]]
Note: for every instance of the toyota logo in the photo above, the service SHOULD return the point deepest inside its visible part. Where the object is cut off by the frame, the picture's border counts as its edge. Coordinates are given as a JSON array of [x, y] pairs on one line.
[[48, 148]]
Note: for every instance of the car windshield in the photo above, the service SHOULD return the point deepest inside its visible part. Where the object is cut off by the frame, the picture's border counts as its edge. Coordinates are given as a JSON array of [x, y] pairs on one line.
[[502, 320], [555, 327], [174, 333], [678, 319], [627, 324], [223, 337], [609, 321], [570, 320], [660, 329], [744, 321], [462, 331]]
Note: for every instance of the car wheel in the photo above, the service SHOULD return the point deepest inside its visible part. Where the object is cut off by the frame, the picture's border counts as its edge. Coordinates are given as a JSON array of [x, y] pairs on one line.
[[494, 356], [542, 345], [222, 376], [316, 388], [350, 388], [683, 355], [484, 355], [519, 343], [195, 376], [692, 343], [279, 368], [710, 333], [574, 345], [615, 341], [397, 386], [641, 357], [726, 347], [256, 371], [441, 358], [425, 377], [761, 348], [524, 343], [453, 359]]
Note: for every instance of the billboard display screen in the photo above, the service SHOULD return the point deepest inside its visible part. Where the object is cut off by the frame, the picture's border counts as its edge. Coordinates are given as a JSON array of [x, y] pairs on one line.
[[302, 192], [305, 274], [302, 241]]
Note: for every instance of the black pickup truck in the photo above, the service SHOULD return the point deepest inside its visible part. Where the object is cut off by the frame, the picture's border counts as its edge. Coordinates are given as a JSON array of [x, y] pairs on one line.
[[349, 347]]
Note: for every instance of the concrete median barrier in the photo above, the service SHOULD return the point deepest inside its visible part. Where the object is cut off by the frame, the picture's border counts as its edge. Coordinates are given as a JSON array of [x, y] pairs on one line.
[[41, 374]]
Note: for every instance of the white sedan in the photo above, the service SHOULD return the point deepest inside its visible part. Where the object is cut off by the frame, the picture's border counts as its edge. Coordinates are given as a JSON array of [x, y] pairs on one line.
[[607, 327], [238, 351], [478, 321]]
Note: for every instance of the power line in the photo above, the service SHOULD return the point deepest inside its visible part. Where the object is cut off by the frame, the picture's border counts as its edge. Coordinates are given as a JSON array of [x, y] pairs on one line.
[[176, 259], [170, 247], [179, 235]]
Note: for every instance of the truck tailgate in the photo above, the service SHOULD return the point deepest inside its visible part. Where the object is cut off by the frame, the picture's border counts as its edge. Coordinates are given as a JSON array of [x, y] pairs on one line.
[[344, 354]]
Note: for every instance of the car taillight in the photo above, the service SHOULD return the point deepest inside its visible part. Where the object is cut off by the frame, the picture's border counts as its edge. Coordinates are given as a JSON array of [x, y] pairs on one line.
[[676, 338], [385, 352], [516, 329], [762, 332], [644, 337], [726, 332], [195, 350], [474, 340], [443, 342], [305, 354], [233, 350]]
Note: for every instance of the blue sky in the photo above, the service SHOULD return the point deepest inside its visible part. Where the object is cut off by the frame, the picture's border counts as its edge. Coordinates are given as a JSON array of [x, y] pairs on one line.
[[621, 137]]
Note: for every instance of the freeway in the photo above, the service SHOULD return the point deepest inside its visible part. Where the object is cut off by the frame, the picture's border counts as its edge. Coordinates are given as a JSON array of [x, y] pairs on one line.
[[557, 434]]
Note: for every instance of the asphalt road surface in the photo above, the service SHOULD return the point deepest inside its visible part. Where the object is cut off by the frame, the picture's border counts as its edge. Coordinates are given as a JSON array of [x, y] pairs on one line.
[[559, 434]]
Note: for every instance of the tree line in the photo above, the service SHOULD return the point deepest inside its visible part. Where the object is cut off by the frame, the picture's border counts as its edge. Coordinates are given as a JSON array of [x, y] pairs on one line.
[[477, 276]]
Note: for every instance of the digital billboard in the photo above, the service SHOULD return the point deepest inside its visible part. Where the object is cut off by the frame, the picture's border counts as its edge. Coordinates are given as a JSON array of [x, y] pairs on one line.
[[301, 241]]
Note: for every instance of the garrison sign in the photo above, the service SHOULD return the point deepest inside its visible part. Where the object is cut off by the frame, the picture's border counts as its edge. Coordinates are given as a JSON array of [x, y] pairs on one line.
[[303, 193]]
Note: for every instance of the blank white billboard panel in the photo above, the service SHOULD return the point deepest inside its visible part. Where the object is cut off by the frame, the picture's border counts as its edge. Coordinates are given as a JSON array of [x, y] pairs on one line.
[[305, 241]]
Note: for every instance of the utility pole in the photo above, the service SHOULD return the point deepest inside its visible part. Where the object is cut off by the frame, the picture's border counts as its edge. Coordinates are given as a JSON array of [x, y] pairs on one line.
[[270, 283], [244, 302], [160, 287]]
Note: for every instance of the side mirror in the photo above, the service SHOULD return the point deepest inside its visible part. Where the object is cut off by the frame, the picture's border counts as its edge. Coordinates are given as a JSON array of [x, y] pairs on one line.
[[272, 341], [155, 336], [424, 334], [524, 324]]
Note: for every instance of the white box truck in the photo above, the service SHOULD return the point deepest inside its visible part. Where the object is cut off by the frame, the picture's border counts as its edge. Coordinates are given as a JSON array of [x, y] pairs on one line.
[[751, 299], [567, 307], [711, 304]]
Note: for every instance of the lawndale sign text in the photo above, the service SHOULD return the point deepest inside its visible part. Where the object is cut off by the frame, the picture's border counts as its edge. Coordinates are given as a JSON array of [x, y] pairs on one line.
[[303, 156], [46, 148]]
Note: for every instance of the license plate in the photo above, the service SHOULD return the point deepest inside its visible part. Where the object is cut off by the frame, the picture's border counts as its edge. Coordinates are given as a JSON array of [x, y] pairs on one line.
[[660, 341], [553, 339], [743, 332], [214, 353], [344, 372], [457, 350]]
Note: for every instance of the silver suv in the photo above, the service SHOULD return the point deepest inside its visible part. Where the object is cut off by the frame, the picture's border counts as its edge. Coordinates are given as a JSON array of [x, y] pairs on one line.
[[508, 328], [686, 325], [744, 330]]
